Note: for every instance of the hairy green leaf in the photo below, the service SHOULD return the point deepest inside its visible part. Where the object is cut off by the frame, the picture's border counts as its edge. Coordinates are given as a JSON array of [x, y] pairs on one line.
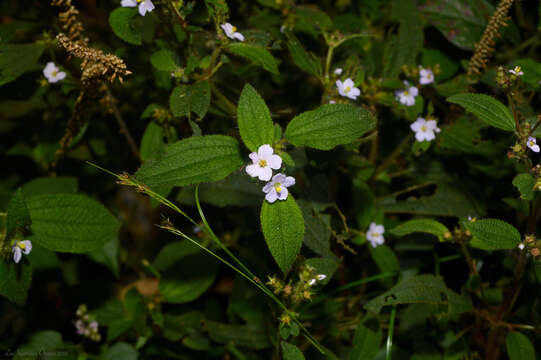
[[329, 126], [164, 60], [186, 99], [50, 185], [365, 343], [525, 184], [193, 160], [255, 54], [152, 141], [291, 352], [40, 342], [283, 228], [301, 57], [17, 215], [70, 222], [493, 234], [254, 119], [120, 20], [519, 347], [428, 226], [15, 279], [120, 351], [487, 109], [241, 335], [17, 59]]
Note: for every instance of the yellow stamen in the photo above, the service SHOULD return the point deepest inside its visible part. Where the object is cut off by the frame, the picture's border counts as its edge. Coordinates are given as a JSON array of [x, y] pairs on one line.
[[262, 163], [375, 234], [406, 92], [278, 187], [423, 128], [234, 29], [347, 89], [21, 245], [54, 73]]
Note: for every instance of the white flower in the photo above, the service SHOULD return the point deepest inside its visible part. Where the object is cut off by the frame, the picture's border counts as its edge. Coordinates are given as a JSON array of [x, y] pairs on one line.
[[231, 32], [532, 144], [521, 246], [338, 71], [407, 96], [332, 102], [144, 5], [427, 76], [348, 89], [19, 248], [53, 73], [321, 277], [277, 187], [516, 71], [375, 234], [263, 162], [311, 282], [425, 130]]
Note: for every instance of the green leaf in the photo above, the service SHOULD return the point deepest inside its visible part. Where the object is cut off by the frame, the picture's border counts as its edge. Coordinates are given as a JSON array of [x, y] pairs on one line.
[[17, 214], [283, 229], [301, 57], [254, 119], [424, 289], [259, 56], [191, 161], [15, 279], [329, 126], [173, 252], [120, 351], [40, 342], [186, 99], [15, 60], [291, 352], [312, 20], [108, 255], [532, 71], [519, 347], [493, 234], [525, 184], [164, 60], [70, 222], [487, 109], [317, 234], [365, 343], [241, 335], [326, 266], [188, 278], [385, 258], [120, 20], [50, 185], [152, 141], [427, 226]]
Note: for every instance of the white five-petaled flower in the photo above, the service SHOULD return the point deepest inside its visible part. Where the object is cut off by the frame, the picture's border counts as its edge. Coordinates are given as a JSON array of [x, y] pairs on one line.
[[425, 130], [277, 187], [532, 144], [517, 71], [231, 32], [263, 162], [407, 95], [19, 248], [375, 234], [53, 73], [426, 76], [338, 71], [521, 246], [348, 89], [144, 6]]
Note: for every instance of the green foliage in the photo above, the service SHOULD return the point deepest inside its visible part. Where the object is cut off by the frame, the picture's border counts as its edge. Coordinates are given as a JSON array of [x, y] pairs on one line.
[[164, 60], [191, 161], [15, 280], [329, 126], [365, 343], [283, 227], [15, 60], [254, 119], [121, 21], [519, 347], [525, 184], [18, 215], [186, 99], [301, 57], [428, 226], [493, 234], [487, 109], [256, 55], [291, 352], [152, 142]]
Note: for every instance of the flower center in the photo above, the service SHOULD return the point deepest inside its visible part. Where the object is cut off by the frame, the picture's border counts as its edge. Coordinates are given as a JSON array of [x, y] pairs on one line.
[[517, 69], [375, 234], [278, 187], [531, 143], [234, 29], [406, 92], [423, 128], [347, 89], [21, 245], [54, 73], [262, 163]]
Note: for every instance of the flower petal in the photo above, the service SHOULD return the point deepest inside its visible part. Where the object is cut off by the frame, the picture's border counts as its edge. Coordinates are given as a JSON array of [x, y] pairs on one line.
[[274, 161], [238, 36], [283, 194], [268, 187], [27, 246], [16, 254], [271, 196], [253, 156], [289, 181], [265, 173], [128, 3], [279, 178], [253, 170], [265, 151]]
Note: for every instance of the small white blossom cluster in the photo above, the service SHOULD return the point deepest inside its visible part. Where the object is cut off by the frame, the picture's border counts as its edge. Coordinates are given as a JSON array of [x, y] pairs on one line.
[[308, 275], [374, 234], [143, 6], [425, 130], [263, 162], [85, 325], [407, 95], [19, 248], [231, 32], [52, 73]]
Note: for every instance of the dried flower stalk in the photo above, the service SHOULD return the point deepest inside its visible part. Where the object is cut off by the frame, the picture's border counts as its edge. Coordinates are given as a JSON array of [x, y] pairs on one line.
[[69, 21]]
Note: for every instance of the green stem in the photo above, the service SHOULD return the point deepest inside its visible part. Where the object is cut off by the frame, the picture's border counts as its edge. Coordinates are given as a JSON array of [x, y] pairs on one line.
[[390, 334]]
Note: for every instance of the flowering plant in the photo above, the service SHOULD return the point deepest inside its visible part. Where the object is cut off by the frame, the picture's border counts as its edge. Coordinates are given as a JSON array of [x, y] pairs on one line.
[[270, 179]]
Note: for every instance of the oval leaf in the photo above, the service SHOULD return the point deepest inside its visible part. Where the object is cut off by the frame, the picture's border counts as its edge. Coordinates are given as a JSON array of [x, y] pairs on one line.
[[525, 184], [427, 226], [164, 60], [519, 347], [15, 280], [253, 116], [291, 352], [329, 126], [186, 99], [191, 161], [283, 228], [70, 222], [493, 234], [255, 54], [120, 20], [487, 109]]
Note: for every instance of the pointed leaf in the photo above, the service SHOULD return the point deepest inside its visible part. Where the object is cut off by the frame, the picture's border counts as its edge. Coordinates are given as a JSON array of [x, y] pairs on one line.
[[493, 234], [164, 60], [525, 184], [519, 347], [15, 279], [186, 99], [301, 57], [254, 119], [257, 55], [487, 109], [427, 226], [120, 20], [291, 352]]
